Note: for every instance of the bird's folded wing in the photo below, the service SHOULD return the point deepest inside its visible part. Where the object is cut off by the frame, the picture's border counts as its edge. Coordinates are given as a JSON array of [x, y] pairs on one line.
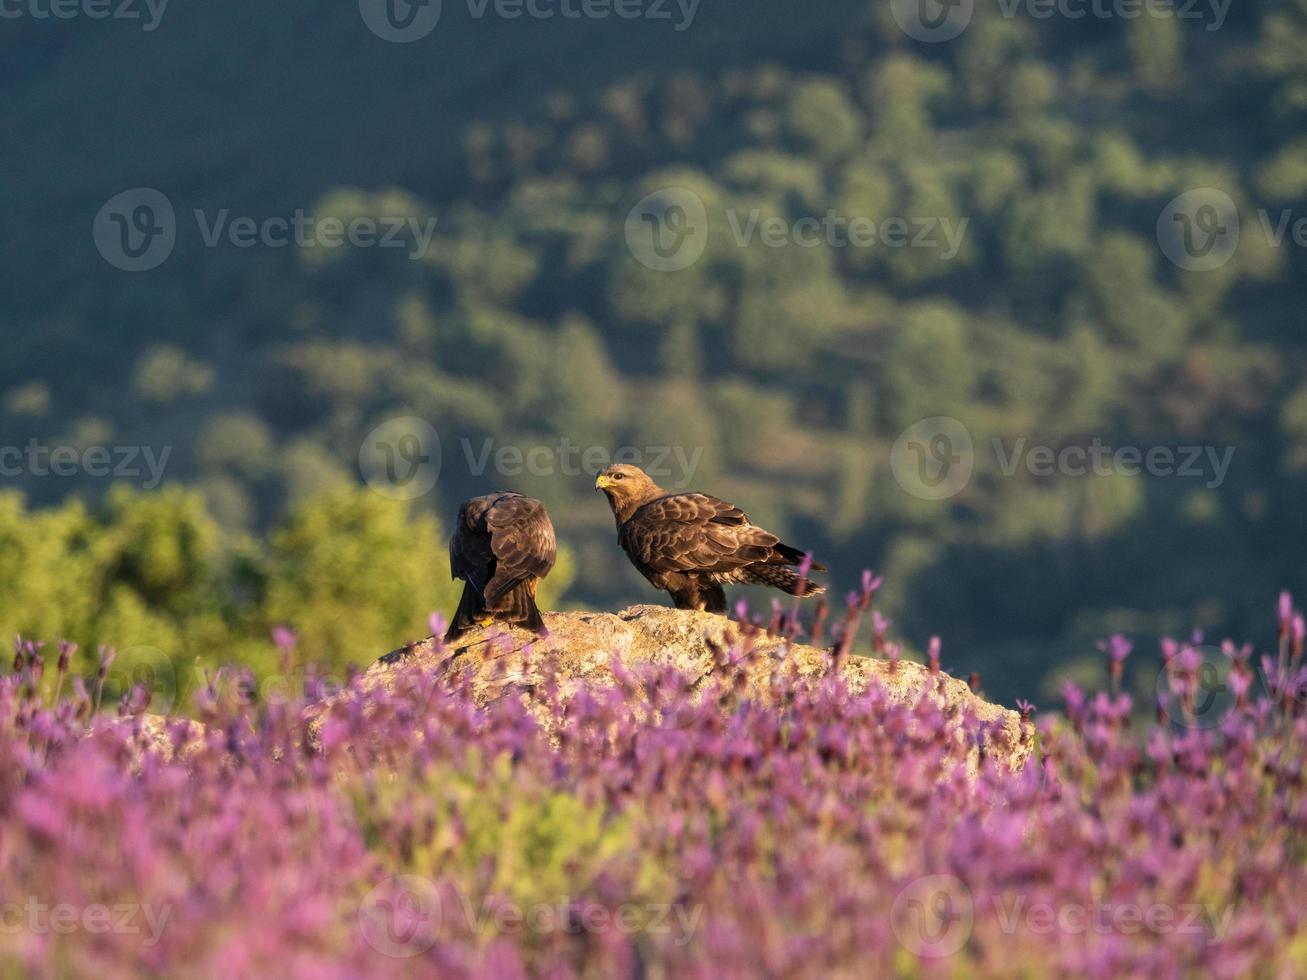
[[522, 539], [690, 532]]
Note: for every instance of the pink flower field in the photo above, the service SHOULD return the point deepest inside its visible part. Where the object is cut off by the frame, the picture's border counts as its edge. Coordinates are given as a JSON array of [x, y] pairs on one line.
[[651, 830]]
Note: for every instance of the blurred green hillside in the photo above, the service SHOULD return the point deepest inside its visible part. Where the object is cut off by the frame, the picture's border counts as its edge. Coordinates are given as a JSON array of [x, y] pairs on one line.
[[790, 371]]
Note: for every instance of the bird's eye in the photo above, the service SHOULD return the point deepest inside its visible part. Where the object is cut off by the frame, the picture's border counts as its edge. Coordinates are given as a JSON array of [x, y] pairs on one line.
[[617, 476]]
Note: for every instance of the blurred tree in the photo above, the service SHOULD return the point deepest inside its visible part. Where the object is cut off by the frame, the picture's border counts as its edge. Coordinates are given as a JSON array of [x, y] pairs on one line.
[[822, 119], [680, 354], [32, 398], [988, 52], [238, 441], [588, 150], [1029, 88], [1156, 46], [165, 547], [929, 369], [166, 373], [1118, 274], [1294, 421], [901, 91], [779, 176], [354, 576], [584, 393]]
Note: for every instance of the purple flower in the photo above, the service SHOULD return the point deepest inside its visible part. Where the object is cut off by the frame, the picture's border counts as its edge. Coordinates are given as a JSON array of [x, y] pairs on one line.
[[871, 583], [66, 651], [1074, 698], [1169, 648], [769, 810], [284, 637], [1117, 647]]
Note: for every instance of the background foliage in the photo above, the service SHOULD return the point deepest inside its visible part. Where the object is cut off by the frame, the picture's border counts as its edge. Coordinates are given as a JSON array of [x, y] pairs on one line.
[[528, 320]]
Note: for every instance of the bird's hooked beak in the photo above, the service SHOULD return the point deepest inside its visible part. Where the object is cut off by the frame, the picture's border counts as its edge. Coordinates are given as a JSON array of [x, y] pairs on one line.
[[603, 481]]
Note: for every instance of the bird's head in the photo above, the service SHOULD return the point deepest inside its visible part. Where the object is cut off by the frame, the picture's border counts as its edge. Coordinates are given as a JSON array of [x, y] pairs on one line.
[[626, 487]]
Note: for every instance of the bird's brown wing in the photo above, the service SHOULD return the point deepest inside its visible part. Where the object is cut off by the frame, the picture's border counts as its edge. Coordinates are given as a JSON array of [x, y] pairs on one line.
[[694, 532], [523, 543], [470, 555]]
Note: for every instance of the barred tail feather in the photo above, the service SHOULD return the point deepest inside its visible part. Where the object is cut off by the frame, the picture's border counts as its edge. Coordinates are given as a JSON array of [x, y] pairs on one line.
[[783, 578], [795, 557]]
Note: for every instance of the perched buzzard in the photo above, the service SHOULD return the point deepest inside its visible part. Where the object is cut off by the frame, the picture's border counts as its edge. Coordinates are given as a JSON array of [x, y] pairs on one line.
[[503, 544], [691, 544]]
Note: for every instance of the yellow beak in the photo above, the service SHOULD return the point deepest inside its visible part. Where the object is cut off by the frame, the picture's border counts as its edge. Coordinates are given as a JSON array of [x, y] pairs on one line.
[[603, 480]]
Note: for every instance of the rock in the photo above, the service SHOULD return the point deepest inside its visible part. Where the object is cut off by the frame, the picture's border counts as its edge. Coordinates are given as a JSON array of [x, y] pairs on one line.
[[167, 737], [580, 647]]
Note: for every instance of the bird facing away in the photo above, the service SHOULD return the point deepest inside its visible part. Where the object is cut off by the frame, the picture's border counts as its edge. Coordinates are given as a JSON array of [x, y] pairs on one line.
[[691, 544], [503, 544]]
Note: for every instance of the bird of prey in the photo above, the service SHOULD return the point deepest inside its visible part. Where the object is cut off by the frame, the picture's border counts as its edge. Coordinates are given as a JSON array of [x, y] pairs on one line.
[[502, 545], [691, 544]]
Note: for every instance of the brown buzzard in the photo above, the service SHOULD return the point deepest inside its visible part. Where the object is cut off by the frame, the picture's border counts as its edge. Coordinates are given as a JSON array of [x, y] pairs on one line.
[[691, 544], [502, 545]]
